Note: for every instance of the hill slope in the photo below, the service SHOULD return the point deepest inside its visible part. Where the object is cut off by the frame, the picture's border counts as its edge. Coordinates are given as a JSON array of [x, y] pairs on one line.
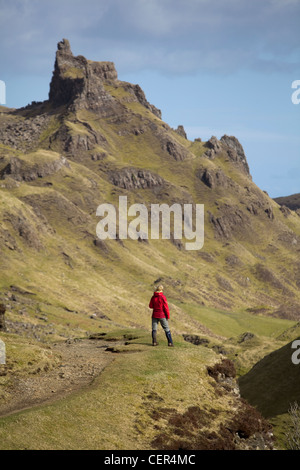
[[95, 139], [292, 202]]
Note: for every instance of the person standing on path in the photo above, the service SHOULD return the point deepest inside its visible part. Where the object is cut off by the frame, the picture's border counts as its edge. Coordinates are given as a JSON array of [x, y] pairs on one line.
[[160, 314]]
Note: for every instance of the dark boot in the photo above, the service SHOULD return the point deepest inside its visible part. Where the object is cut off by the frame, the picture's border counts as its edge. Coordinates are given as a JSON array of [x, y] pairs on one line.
[[154, 341], [169, 338]]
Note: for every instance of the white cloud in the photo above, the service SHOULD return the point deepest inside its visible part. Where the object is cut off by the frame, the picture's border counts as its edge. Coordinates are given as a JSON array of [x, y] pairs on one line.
[[168, 35]]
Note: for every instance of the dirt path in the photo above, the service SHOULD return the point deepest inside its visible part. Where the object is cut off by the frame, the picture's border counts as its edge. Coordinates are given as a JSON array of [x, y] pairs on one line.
[[81, 362]]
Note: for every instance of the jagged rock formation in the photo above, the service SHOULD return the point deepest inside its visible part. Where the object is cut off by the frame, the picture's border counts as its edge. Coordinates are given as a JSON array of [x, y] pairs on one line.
[[2, 317], [20, 170], [23, 134], [180, 131], [233, 149], [132, 178], [79, 83], [213, 179]]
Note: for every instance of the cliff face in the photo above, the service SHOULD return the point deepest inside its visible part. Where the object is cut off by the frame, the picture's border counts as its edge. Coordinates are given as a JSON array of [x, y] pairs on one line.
[[78, 83]]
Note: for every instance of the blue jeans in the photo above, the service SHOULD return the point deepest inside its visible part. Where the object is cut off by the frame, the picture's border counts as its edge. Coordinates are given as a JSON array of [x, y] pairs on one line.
[[163, 322]]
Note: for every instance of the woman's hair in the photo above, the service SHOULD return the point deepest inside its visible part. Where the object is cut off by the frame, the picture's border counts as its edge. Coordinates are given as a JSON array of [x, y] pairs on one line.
[[159, 288]]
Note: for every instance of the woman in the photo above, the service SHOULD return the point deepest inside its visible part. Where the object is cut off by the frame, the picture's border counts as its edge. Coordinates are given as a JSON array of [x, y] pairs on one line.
[[160, 315]]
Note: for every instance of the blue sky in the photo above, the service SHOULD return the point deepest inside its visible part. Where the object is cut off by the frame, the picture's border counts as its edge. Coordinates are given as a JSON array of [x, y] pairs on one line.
[[214, 66]]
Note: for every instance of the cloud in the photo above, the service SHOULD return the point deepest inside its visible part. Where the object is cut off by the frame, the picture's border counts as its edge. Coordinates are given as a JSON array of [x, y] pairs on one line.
[[170, 36]]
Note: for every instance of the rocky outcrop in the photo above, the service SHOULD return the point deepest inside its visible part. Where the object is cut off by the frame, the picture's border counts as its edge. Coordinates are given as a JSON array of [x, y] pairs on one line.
[[213, 178], [213, 147], [173, 148], [79, 83], [25, 229], [2, 317], [20, 170], [23, 134], [231, 147], [231, 221], [133, 178], [235, 152], [180, 131], [138, 95]]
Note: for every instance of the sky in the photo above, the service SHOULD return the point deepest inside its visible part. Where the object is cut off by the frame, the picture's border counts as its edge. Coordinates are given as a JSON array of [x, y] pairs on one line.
[[214, 66]]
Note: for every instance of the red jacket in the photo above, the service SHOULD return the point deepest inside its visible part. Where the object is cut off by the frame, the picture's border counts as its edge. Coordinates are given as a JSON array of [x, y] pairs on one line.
[[160, 306]]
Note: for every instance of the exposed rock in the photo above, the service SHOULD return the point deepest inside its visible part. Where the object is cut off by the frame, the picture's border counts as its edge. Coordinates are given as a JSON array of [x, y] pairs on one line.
[[20, 170], [285, 210], [260, 206], [78, 83], [2, 317], [174, 149], [214, 147], [265, 275], [206, 256], [247, 336], [233, 260], [138, 93], [224, 283], [231, 221], [25, 133], [133, 178], [7, 239], [230, 146], [101, 244], [195, 339], [180, 131], [220, 226], [213, 179], [25, 229]]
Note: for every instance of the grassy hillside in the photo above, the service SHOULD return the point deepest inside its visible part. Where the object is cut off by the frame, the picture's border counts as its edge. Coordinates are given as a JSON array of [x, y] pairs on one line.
[[96, 139], [147, 398]]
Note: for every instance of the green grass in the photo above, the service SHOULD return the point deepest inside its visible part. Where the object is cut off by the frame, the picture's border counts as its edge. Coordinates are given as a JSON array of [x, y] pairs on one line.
[[71, 273], [232, 324], [114, 413]]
